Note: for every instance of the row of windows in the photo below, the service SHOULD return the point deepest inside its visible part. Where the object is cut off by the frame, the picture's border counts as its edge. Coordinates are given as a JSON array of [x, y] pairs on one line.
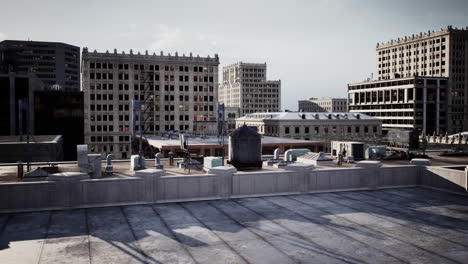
[[169, 78], [416, 45], [253, 75], [441, 63], [255, 85], [102, 128], [334, 129], [141, 87], [152, 67], [253, 70]]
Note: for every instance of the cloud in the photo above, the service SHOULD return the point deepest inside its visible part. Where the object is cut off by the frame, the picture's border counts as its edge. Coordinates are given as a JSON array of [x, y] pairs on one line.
[[2, 36], [130, 33], [167, 38]]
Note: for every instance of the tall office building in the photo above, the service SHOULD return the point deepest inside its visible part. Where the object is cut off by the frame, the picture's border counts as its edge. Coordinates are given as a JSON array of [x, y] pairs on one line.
[[323, 105], [245, 86], [178, 93], [432, 54], [418, 103], [57, 65]]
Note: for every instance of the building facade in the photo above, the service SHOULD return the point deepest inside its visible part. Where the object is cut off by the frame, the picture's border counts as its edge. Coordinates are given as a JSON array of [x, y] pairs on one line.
[[15, 87], [406, 103], [60, 113], [323, 105], [57, 65], [246, 87], [316, 126], [230, 115], [433, 54], [177, 93]]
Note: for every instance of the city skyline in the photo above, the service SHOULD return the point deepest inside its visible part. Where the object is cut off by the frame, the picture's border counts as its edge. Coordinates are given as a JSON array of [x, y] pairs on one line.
[[316, 48]]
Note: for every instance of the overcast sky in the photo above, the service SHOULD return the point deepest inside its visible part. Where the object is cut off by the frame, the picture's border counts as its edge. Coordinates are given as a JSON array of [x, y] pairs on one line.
[[315, 47]]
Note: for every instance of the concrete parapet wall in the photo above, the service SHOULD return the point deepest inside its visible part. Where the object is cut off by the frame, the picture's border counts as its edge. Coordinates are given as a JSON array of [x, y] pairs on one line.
[[339, 179], [28, 196], [398, 176], [265, 183], [105, 192], [445, 178], [76, 190], [186, 188]]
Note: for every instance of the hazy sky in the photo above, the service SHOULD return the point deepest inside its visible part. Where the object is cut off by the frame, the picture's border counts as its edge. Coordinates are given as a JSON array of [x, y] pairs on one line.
[[314, 47]]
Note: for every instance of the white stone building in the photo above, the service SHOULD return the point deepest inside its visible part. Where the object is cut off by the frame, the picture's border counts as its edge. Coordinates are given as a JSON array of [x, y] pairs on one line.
[[177, 92], [324, 105], [318, 126], [246, 87]]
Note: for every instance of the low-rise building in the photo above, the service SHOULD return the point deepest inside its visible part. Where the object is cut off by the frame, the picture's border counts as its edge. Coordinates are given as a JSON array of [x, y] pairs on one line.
[[315, 125], [211, 145], [323, 105], [406, 103]]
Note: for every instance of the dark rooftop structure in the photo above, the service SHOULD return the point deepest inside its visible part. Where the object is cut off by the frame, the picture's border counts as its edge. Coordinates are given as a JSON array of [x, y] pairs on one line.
[[245, 148], [55, 64], [40, 148], [401, 225]]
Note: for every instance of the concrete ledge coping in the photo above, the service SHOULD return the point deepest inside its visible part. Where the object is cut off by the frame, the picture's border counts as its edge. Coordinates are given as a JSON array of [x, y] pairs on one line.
[[68, 176], [339, 169], [187, 176], [222, 169], [148, 172], [300, 166], [422, 162], [10, 184], [369, 164], [103, 180], [392, 166], [243, 173]]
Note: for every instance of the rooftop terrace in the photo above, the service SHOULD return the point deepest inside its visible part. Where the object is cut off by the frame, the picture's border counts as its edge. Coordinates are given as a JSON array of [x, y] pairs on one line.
[[383, 226]]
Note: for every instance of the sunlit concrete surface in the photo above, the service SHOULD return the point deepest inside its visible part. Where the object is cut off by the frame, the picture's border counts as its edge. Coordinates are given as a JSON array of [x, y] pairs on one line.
[[387, 226]]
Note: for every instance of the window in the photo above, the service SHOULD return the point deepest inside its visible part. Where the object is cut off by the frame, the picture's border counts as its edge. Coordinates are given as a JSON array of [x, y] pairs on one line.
[[286, 130]]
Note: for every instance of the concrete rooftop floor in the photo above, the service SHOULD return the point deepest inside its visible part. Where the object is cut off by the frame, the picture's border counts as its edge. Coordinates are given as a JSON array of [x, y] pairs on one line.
[[386, 226]]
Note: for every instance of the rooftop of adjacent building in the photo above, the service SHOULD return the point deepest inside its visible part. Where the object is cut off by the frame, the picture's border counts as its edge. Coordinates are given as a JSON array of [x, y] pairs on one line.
[[147, 56], [421, 36], [306, 116], [325, 99], [160, 141], [396, 80], [10, 43], [248, 64], [32, 139]]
